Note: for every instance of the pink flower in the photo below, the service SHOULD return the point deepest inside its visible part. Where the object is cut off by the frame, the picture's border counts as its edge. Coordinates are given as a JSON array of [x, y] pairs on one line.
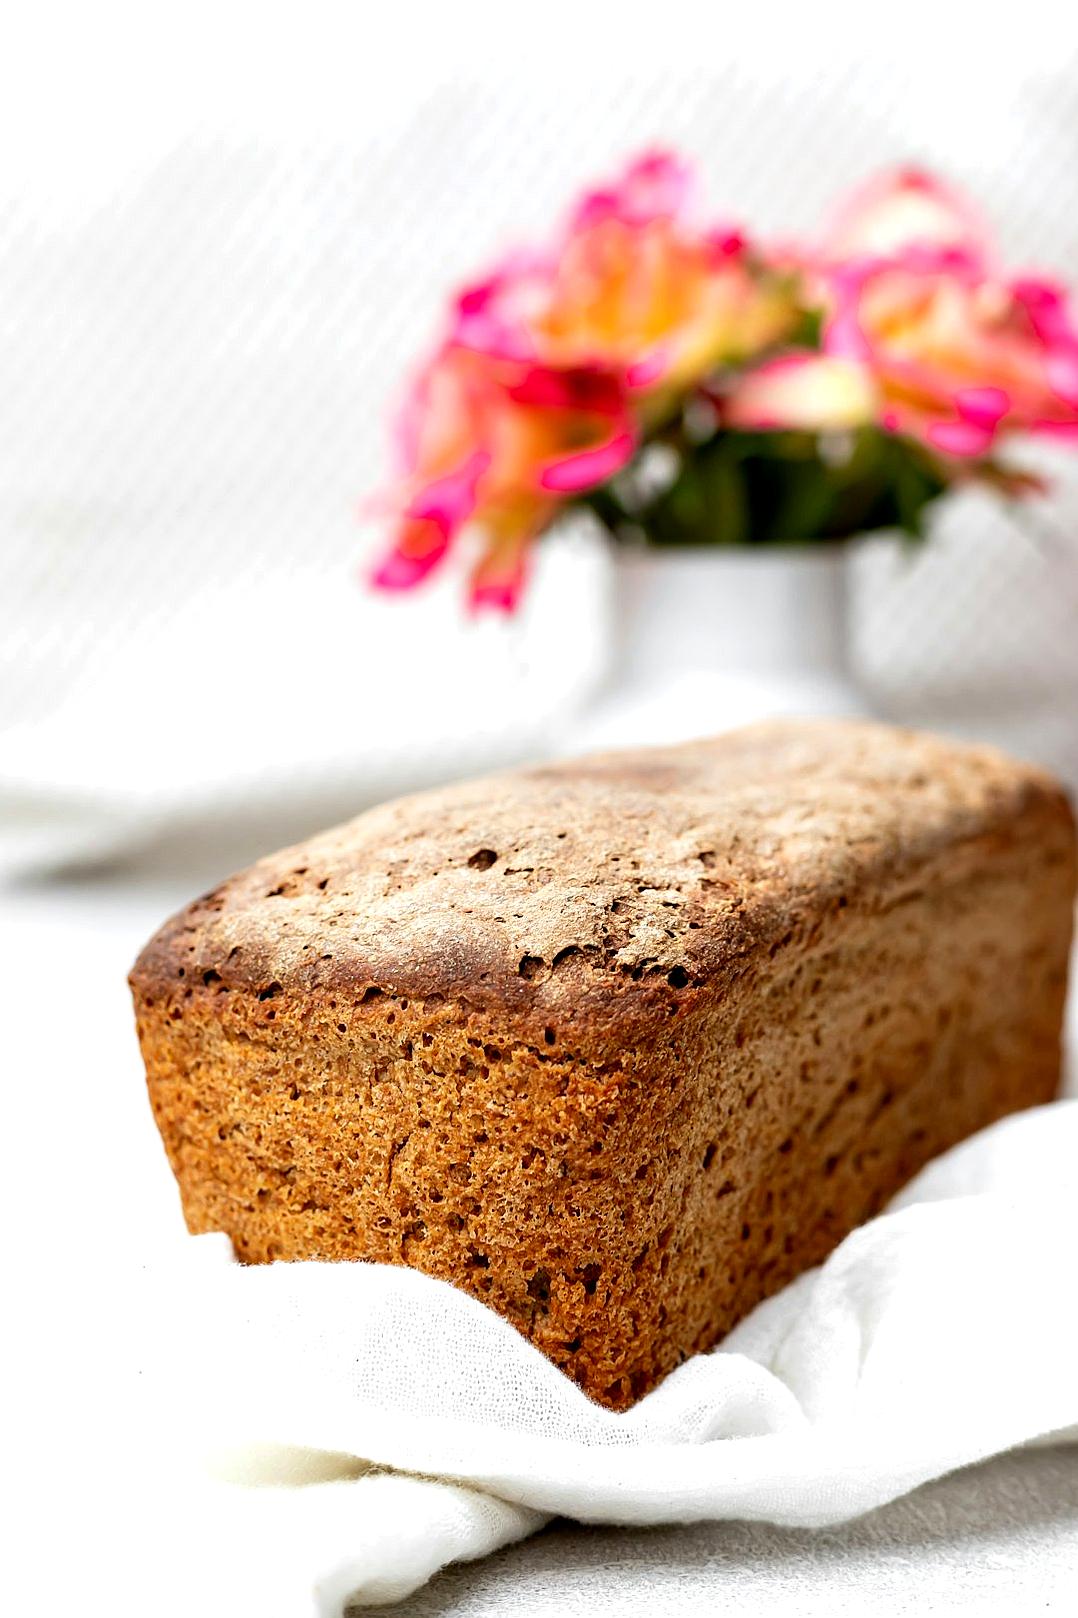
[[431, 518], [656, 185], [904, 208], [631, 288], [498, 442], [557, 364], [562, 362], [804, 391], [957, 357]]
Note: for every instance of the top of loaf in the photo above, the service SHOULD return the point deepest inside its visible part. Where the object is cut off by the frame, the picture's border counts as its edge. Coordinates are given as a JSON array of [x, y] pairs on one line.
[[600, 887]]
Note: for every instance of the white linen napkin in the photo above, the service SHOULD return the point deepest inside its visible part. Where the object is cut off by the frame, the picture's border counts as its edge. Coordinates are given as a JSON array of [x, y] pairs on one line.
[[339, 699], [944, 1331]]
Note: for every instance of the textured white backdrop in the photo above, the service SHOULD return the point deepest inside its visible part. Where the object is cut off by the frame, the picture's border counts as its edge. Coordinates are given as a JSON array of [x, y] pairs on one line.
[[225, 234]]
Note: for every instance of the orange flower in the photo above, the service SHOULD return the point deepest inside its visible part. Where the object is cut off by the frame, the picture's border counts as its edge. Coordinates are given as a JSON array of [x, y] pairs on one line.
[[502, 443], [957, 356], [633, 289]]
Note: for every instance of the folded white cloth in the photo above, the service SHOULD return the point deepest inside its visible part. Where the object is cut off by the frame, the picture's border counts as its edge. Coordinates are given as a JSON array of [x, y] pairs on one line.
[[133, 748], [942, 1332]]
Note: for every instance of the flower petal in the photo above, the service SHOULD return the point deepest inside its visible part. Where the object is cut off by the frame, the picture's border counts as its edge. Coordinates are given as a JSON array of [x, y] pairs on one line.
[[726, 241], [582, 388], [806, 391], [649, 369], [1063, 373], [654, 186], [958, 355], [418, 550], [902, 208], [495, 316], [449, 501], [984, 407], [500, 575], [962, 438], [500, 595], [586, 469], [432, 518]]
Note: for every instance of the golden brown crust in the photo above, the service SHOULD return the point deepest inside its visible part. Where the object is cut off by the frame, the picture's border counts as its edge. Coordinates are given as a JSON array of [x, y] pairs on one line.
[[565, 1035], [610, 877]]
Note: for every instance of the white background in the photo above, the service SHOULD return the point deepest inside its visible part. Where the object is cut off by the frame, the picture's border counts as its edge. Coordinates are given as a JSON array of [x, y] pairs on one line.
[[226, 235]]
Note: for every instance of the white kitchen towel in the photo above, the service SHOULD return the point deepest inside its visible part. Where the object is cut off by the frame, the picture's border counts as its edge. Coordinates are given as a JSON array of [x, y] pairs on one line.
[[944, 1331], [336, 699]]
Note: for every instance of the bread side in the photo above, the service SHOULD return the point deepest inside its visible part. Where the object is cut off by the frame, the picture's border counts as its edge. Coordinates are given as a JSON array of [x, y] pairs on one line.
[[618, 1046]]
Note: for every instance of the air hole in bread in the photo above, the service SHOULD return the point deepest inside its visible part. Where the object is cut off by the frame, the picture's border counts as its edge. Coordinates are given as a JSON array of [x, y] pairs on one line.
[[591, 1274], [539, 1286]]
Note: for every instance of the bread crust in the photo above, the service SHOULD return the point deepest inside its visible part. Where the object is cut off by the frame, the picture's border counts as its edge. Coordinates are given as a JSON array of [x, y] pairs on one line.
[[619, 1045]]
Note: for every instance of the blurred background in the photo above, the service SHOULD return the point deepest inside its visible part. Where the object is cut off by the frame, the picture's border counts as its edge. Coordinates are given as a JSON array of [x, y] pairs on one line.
[[227, 237]]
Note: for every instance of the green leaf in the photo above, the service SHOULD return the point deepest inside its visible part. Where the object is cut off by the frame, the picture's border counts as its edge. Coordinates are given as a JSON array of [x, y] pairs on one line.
[[777, 487]]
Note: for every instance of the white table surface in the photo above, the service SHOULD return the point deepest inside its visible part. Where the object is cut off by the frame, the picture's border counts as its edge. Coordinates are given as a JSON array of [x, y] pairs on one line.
[[88, 1199]]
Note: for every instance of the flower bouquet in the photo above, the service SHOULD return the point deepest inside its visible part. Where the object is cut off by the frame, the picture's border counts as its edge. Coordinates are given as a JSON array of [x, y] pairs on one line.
[[694, 388]]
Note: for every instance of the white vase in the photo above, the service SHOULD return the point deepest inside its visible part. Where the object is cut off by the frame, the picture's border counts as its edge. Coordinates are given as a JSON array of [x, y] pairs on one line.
[[712, 637]]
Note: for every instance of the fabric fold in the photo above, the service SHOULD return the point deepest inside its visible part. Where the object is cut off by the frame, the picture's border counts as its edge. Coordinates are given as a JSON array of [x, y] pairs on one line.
[[941, 1333]]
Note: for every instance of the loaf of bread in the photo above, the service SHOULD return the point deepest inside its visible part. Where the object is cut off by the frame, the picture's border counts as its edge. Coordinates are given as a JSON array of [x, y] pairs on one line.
[[619, 1045]]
